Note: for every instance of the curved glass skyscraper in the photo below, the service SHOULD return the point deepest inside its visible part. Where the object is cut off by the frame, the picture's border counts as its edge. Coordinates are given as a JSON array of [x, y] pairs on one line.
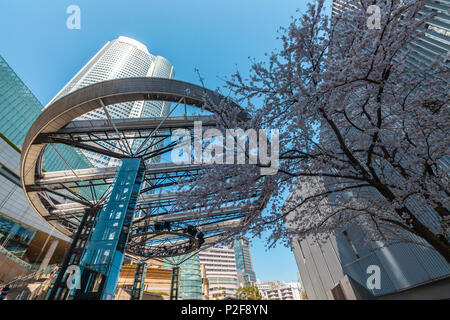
[[120, 58], [190, 278]]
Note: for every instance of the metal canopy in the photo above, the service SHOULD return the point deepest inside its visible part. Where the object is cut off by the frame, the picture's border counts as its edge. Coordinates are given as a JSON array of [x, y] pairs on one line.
[[63, 197]]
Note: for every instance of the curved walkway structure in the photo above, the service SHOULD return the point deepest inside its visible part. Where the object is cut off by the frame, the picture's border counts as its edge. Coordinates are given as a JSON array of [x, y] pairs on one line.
[[71, 200], [62, 112]]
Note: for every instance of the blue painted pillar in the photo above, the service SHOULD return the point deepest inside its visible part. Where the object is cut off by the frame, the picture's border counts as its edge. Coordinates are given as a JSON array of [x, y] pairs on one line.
[[104, 254]]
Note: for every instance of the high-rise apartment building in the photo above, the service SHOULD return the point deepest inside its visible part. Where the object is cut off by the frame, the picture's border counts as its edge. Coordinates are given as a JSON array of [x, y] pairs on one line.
[[244, 265], [340, 267], [121, 58], [276, 290], [220, 268], [125, 58]]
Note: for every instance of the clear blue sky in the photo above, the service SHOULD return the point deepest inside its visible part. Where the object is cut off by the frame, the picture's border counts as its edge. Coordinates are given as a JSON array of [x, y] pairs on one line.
[[214, 36]]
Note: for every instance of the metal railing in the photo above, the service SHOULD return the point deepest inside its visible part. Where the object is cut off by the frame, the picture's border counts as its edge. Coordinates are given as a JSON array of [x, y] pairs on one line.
[[25, 281], [17, 260]]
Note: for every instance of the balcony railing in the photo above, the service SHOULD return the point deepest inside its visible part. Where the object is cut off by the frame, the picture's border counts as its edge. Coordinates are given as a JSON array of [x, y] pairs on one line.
[[17, 260]]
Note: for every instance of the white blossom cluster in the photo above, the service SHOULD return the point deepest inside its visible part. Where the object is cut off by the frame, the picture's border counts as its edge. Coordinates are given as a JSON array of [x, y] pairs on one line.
[[364, 136]]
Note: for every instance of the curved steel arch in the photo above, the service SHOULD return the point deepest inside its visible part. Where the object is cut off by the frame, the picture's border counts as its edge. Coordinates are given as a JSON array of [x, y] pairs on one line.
[[63, 111]]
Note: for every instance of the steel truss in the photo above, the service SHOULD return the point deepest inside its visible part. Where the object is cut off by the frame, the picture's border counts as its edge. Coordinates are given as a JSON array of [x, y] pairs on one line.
[[159, 229]]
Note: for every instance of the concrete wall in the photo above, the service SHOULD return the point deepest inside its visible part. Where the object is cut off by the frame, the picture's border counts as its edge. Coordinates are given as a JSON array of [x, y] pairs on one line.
[[435, 290]]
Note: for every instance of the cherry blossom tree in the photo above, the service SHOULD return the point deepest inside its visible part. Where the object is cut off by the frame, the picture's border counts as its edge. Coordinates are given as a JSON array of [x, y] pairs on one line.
[[364, 134]]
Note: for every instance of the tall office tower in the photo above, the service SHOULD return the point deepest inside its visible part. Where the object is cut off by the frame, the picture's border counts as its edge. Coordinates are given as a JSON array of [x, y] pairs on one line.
[[120, 58], [25, 237], [244, 265], [220, 268], [435, 40], [340, 267]]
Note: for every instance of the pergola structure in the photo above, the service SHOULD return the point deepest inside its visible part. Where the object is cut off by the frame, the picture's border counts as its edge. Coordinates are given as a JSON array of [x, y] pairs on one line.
[[77, 202]]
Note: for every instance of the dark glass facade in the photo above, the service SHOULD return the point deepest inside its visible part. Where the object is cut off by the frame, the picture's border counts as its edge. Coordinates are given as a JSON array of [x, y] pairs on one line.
[[244, 259], [18, 110]]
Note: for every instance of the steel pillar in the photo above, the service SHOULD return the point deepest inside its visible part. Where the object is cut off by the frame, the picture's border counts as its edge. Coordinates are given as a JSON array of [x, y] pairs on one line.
[[174, 283], [103, 257], [139, 280], [73, 256]]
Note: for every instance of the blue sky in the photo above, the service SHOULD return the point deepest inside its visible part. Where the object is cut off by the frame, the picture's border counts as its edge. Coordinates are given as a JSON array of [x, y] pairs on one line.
[[213, 36]]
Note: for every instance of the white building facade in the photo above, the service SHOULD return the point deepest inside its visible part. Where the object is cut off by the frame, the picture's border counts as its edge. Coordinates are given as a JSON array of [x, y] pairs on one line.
[[220, 268]]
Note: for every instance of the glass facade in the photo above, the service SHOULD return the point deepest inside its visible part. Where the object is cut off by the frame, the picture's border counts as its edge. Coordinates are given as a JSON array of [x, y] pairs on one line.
[[15, 237], [18, 106], [190, 285], [104, 253], [435, 40], [120, 58]]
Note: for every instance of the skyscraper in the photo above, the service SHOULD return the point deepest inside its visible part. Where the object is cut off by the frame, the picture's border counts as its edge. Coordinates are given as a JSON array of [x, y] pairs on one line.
[[190, 277], [121, 58], [220, 269], [339, 267], [124, 58], [435, 40], [244, 265]]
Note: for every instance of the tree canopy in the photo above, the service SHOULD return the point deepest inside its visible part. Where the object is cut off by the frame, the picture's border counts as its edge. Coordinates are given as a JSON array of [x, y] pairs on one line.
[[363, 131], [250, 292]]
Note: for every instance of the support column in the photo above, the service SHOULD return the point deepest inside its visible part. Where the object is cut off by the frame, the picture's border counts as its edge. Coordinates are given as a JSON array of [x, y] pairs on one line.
[[174, 283], [139, 281], [103, 258], [48, 256], [60, 291]]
